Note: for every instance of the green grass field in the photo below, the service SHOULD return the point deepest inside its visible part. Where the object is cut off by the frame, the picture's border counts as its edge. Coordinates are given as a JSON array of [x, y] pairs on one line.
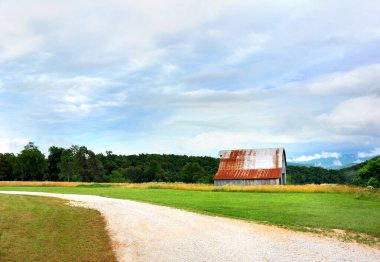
[[344, 211], [45, 229]]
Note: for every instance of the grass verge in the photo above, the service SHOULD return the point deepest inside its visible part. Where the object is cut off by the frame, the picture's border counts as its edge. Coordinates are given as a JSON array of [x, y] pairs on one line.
[[323, 188], [45, 229]]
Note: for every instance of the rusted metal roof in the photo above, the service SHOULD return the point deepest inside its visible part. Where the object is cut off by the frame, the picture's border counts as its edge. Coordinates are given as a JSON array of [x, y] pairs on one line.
[[263, 163]]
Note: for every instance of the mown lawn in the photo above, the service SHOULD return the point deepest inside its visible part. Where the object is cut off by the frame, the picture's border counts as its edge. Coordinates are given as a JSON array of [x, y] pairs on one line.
[[300, 210], [45, 229]]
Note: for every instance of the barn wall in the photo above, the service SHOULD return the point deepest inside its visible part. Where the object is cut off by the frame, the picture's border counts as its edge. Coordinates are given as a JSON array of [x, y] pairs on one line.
[[283, 170], [249, 182]]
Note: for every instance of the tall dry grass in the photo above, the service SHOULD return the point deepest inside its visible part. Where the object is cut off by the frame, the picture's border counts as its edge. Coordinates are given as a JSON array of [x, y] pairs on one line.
[[264, 188], [324, 188], [40, 183]]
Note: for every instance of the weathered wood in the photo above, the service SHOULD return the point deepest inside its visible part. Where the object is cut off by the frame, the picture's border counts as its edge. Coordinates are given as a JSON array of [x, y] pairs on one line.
[[247, 182]]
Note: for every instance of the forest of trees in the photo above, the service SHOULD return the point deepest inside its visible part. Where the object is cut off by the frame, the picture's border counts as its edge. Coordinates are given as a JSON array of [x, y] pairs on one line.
[[302, 175], [79, 163]]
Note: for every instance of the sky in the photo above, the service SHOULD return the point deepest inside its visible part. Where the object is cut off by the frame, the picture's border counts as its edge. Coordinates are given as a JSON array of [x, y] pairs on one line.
[[191, 77]]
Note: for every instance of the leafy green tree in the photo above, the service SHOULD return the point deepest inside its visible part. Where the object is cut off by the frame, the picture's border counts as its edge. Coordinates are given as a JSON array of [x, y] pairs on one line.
[[95, 170], [133, 174], [80, 164], [192, 172], [110, 162], [153, 172], [31, 163], [66, 166], [373, 182], [54, 158], [117, 177], [370, 173], [7, 166]]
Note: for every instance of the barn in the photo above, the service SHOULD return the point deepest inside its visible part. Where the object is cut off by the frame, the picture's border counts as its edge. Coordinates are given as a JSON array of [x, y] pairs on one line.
[[264, 166]]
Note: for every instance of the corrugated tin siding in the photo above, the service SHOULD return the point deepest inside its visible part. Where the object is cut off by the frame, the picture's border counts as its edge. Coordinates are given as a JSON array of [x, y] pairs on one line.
[[247, 182], [266, 163]]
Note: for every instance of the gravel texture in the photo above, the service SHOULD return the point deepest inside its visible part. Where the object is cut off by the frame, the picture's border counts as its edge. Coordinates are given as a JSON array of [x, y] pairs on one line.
[[146, 232]]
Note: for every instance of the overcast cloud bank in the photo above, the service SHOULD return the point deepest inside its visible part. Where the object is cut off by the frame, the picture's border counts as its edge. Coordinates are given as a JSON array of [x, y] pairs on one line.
[[191, 77]]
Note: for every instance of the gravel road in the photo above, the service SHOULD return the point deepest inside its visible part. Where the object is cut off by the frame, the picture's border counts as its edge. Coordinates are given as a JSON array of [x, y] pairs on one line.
[[145, 232]]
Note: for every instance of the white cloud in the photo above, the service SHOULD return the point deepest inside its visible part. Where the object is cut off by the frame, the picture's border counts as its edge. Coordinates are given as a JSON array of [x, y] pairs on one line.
[[362, 80], [79, 95], [16, 38], [13, 48], [355, 114], [231, 74], [374, 152], [169, 68], [74, 98], [125, 28], [217, 140], [337, 162], [247, 46], [13, 145], [84, 108], [144, 61], [211, 96], [321, 155]]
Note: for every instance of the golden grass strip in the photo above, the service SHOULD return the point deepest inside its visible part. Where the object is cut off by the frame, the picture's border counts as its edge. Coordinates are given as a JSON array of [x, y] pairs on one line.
[[40, 183], [323, 188]]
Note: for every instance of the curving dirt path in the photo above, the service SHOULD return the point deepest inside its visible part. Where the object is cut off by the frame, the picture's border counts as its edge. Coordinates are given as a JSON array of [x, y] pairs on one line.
[[146, 232]]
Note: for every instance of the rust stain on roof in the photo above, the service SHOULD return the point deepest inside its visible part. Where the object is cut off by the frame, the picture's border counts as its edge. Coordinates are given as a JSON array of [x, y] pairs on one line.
[[263, 163], [276, 157]]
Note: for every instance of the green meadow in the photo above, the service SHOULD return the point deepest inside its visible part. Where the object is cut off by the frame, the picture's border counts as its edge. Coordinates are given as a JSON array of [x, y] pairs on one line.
[[352, 212], [46, 229]]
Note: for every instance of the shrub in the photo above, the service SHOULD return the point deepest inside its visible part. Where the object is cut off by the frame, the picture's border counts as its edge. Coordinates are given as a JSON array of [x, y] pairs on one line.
[[117, 177], [373, 182], [370, 173]]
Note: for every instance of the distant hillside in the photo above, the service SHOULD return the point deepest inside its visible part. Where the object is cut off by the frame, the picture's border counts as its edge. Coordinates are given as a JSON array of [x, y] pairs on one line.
[[318, 175], [351, 172], [301, 175], [345, 160]]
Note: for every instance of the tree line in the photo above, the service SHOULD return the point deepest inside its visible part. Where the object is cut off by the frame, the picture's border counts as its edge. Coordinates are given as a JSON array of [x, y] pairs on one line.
[[302, 175], [78, 163], [362, 174]]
